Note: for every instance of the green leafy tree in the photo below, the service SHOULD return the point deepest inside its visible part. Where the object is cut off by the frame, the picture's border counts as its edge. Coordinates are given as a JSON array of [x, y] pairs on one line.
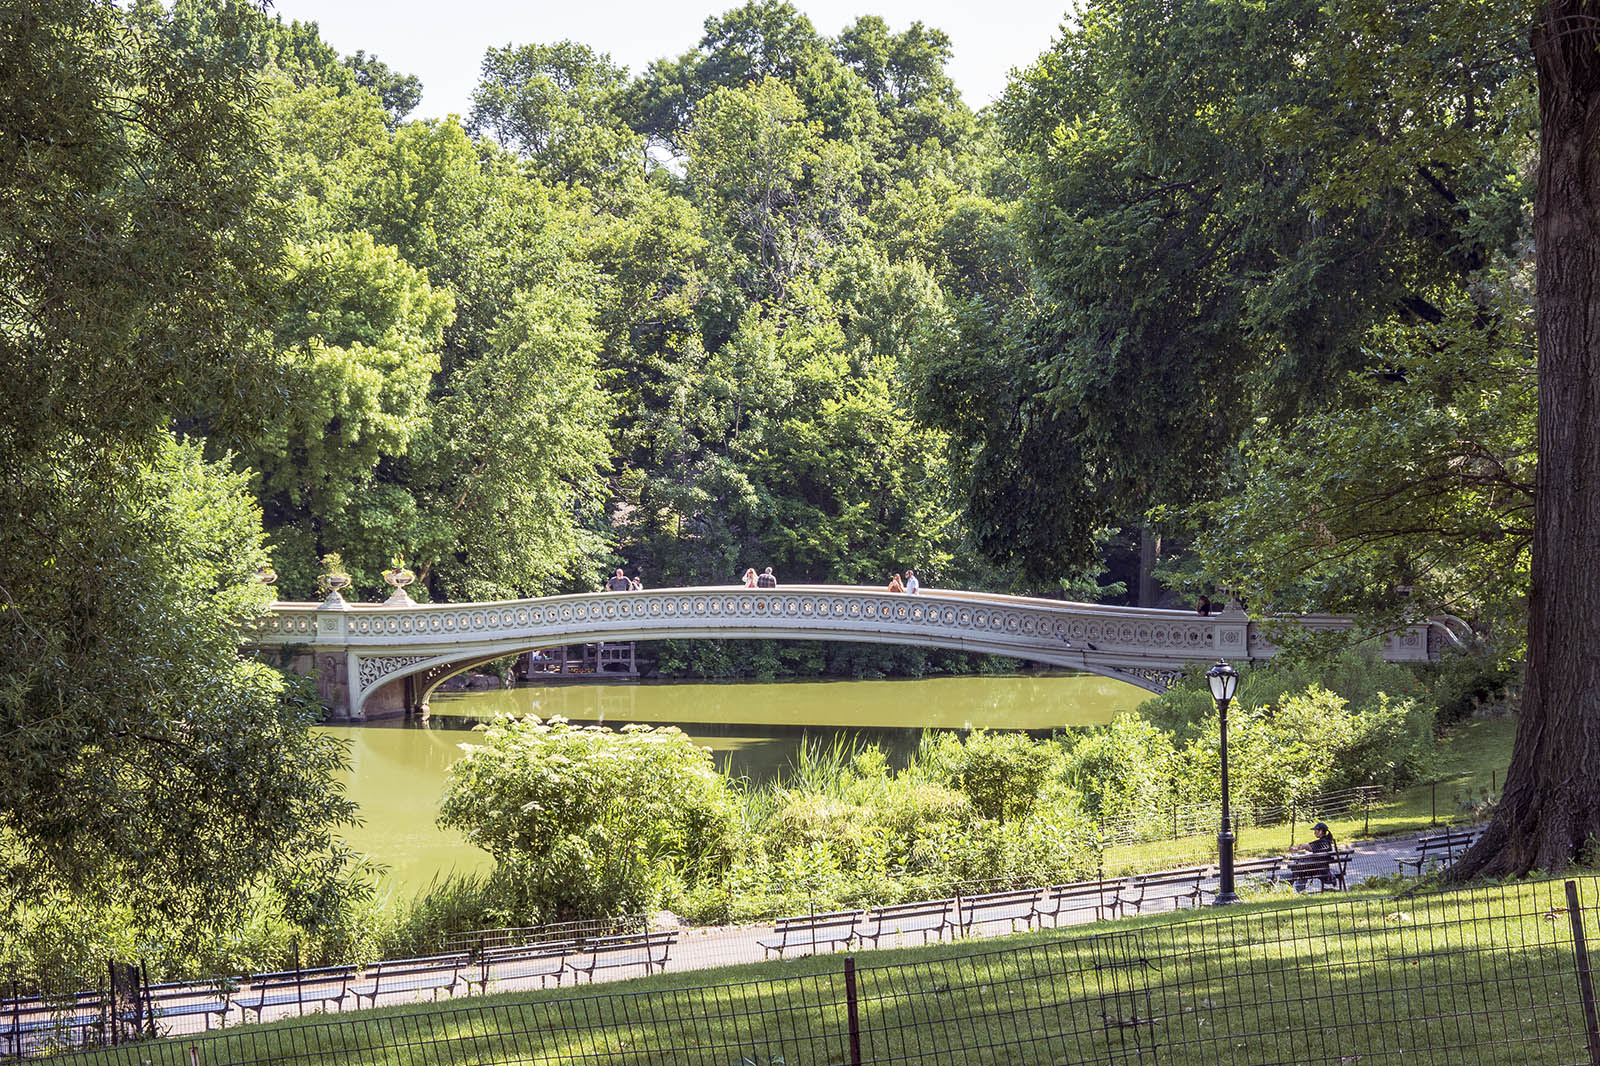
[[555, 105], [512, 463], [782, 193], [149, 765], [1414, 496], [905, 73], [1279, 182], [146, 764], [398, 93], [363, 331]]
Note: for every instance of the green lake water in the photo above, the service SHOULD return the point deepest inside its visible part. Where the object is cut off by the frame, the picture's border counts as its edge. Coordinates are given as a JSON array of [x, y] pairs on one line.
[[753, 730]]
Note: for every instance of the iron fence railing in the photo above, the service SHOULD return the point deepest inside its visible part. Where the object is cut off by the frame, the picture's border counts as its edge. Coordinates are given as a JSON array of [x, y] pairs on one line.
[[1496, 975], [476, 941]]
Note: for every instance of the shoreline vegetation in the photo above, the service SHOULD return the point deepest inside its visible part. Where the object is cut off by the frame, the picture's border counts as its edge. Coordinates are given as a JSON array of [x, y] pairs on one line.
[[844, 827]]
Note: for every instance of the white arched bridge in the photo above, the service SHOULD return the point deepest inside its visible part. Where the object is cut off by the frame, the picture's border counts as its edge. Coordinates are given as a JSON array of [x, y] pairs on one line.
[[376, 659]]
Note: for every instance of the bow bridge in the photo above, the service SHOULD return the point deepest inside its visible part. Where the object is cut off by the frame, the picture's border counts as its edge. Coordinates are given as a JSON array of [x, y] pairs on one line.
[[374, 659]]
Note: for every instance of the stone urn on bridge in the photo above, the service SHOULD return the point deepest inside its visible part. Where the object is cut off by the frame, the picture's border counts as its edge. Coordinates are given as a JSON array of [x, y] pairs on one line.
[[399, 576]]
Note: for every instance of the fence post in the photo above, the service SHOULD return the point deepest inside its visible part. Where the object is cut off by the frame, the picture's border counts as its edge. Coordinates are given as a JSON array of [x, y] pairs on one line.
[[1366, 813], [1580, 952], [1433, 819], [851, 1011]]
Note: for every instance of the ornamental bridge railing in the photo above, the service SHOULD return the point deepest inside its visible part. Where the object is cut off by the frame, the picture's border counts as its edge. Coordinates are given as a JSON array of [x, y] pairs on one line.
[[396, 654]]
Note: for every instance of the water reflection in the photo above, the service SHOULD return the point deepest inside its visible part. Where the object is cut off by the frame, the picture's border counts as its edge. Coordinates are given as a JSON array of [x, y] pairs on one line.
[[1032, 703]]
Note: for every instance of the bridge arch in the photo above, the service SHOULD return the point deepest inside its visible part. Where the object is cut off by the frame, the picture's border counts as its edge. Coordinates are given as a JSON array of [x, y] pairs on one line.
[[374, 647]]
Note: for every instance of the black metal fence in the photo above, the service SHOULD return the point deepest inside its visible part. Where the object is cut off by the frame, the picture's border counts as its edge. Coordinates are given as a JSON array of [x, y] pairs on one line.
[[1495, 975], [479, 940]]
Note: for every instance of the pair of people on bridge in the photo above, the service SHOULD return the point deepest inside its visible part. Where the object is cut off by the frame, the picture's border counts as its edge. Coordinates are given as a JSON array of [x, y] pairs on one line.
[[621, 582], [910, 584], [763, 580]]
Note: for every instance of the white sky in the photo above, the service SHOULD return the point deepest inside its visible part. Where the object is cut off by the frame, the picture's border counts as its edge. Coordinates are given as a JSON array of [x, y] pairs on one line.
[[443, 41]]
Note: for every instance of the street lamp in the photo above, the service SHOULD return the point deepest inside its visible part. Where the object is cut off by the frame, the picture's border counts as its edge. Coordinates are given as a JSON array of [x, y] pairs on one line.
[[1224, 682]]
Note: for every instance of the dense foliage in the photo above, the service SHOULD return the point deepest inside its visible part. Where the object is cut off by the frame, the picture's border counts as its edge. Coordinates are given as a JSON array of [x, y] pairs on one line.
[[846, 827], [1254, 272]]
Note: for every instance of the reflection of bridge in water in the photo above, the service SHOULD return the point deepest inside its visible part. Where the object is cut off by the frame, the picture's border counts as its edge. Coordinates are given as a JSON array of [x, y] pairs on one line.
[[385, 659]]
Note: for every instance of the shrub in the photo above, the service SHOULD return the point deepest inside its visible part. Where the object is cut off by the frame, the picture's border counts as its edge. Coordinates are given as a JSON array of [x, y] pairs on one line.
[[587, 822], [1310, 743], [1124, 771], [1355, 676]]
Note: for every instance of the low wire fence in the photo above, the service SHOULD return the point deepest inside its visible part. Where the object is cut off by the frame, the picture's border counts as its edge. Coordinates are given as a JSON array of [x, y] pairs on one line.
[[1496, 975], [1193, 819]]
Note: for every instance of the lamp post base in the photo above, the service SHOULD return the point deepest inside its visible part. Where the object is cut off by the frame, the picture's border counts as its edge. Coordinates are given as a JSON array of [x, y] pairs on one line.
[[1225, 892]]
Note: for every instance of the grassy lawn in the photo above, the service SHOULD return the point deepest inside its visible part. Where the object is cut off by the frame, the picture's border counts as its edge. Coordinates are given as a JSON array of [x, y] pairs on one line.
[[1479, 976], [1472, 760]]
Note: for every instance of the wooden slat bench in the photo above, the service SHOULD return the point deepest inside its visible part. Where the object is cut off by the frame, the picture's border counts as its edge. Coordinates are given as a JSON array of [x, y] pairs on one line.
[[434, 973], [928, 917], [1438, 848], [1264, 870], [1080, 895], [322, 985], [649, 950], [1164, 884], [34, 1022], [185, 999], [829, 931], [991, 908], [525, 960], [1312, 867]]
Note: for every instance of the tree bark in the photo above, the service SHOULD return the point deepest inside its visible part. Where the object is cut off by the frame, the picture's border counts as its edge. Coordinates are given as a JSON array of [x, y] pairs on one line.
[[1149, 556], [1550, 809]]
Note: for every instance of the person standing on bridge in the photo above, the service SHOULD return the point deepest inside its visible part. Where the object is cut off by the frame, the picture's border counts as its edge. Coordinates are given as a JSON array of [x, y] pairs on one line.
[[766, 580], [619, 582], [894, 582], [750, 578], [912, 584]]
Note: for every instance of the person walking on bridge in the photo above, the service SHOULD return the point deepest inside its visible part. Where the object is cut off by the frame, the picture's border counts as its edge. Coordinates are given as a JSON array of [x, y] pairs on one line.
[[766, 580], [750, 578], [619, 582], [912, 584]]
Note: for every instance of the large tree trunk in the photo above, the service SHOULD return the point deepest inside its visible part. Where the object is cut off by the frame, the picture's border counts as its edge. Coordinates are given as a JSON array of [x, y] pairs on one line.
[[1551, 805]]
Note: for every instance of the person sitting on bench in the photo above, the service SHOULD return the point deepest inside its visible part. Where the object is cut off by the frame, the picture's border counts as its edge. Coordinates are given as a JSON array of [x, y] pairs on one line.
[[1321, 848]]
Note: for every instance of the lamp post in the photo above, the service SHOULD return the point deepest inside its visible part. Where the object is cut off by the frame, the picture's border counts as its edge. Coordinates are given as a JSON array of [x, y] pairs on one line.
[[1224, 681]]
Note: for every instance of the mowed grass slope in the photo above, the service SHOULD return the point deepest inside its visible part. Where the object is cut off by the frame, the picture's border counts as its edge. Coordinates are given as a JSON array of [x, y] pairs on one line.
[[1485, 975]]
